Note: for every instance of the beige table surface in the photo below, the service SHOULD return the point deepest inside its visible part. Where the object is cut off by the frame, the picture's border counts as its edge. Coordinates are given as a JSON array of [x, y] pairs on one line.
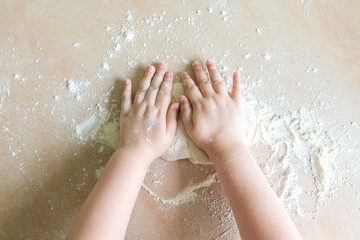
[[291, 54]]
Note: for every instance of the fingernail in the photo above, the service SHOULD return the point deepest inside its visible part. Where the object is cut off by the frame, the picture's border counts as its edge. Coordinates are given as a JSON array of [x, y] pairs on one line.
[[237, 74], [210, 61], [184, 74], [175, 106], [181, 99], [169, 74], [196, 63], [161, 66], [127, 82], [151, 69]]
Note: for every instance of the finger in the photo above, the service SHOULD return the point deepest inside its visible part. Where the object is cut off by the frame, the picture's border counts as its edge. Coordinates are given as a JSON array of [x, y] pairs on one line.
[[144, 85], [215, 77], [191, 90], [236, 88], [126, 97], [171, 119], [186, 112], [164, 95], [202, 79], [155, 84]]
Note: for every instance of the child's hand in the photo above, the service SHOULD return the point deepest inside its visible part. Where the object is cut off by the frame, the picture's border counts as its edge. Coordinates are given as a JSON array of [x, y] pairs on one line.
[[148, 125], [211, 115]]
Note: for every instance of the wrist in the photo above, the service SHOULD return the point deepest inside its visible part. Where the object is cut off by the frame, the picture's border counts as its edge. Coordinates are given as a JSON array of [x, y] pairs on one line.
[[133, 156], [219, 154]]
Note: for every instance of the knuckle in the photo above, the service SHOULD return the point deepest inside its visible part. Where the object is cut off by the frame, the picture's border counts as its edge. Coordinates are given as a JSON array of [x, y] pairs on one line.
[[161, 92], [164, 85], [214, 101], [154, 86], [142, 88], [199, 105], [218, 80], [203, 80], [139, 107], [159, 74], [198, 68], [147, 111], [164, 88], [150, 110], [213, 68], [189, 86]]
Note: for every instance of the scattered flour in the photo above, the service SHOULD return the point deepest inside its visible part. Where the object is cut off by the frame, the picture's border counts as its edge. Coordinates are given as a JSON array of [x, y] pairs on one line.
[[128, 16], [77, 88], [312, 69], [224, 15], [128, 35], [186, 195], [246, 55], [266, 56], [149, 123], [297, 139], [110, 134], [299, 142], [18, 77], [98, 172], [299, 145], [4, 92], [105, 66]]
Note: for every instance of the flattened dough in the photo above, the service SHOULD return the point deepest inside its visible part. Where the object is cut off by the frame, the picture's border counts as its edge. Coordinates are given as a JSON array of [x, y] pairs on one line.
[[183, 147]]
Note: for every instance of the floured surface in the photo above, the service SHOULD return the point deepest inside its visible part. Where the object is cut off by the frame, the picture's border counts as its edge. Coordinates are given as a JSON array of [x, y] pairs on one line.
[[60, 96]]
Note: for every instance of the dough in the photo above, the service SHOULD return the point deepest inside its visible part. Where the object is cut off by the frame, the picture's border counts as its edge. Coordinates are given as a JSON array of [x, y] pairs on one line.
[[183, 147]]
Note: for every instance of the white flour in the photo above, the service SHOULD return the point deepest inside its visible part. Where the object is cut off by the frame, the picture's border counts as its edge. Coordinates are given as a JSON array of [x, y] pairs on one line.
[[77, 88], [88, 128], [4, 92], [149, 124], [299, 145], [185, 195], [298, 140], [309, 153], [128, 35]]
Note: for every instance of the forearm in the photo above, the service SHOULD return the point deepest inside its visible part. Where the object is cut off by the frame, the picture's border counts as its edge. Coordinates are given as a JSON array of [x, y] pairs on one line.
[[107, 210], [258, 211]]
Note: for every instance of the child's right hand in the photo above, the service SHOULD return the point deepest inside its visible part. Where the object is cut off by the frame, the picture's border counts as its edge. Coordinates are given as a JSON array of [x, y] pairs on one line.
[[211, 115]]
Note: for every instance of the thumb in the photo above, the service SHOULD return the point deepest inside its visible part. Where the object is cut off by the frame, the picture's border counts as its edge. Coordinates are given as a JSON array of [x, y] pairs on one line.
[[186, 112], [171, 119]]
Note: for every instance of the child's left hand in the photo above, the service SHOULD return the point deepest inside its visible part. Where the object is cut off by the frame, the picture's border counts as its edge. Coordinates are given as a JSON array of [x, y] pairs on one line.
[[148, 125]]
